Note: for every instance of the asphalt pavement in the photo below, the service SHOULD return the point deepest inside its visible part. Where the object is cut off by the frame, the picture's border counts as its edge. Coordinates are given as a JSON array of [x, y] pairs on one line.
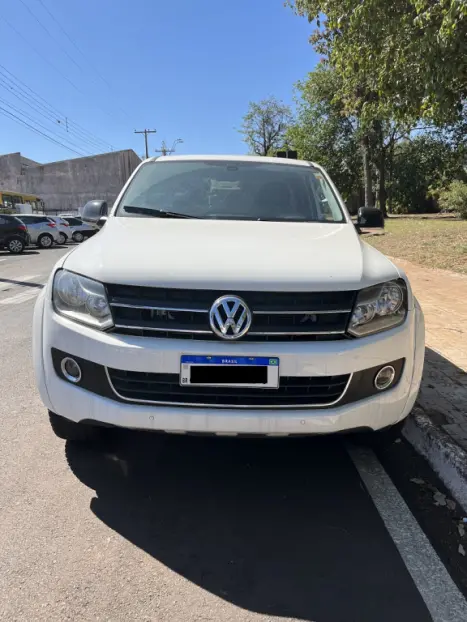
[[163, 528]]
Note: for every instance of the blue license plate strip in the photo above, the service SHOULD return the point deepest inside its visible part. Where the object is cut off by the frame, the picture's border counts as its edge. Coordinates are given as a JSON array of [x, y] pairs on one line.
[[187, 362]]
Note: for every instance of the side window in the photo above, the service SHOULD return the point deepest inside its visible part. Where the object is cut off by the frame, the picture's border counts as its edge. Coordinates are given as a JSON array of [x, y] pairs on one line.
[[3, 221], [7, 201]]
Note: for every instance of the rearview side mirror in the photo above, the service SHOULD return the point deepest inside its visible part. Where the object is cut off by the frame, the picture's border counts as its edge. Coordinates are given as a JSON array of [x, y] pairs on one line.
[[370, 217], [93, 211], [101, 222]]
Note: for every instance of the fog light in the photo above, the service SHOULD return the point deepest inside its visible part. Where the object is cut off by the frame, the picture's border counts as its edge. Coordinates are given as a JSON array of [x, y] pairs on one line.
[[385, 377], [71, 370]]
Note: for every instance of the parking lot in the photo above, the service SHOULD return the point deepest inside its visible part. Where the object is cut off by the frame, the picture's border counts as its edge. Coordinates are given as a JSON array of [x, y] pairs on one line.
[[168, 528]]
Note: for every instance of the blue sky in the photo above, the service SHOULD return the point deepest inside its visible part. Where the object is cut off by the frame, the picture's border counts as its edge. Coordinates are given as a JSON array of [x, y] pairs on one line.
[[185, 68]]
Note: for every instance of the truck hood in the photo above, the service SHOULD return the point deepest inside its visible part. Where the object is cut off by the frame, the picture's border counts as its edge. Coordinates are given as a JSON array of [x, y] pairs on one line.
[[230, 255]]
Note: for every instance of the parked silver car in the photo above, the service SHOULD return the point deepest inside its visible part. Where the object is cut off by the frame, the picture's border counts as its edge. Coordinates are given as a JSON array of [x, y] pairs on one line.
[[42, 230], [80, 230], [64, 229]]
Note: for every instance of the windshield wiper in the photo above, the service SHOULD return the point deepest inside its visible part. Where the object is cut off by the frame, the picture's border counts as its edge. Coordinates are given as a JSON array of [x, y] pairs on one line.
[[157, 213]]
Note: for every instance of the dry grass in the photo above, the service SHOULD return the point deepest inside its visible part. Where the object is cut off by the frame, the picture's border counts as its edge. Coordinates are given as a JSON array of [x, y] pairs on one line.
[[432, 243]]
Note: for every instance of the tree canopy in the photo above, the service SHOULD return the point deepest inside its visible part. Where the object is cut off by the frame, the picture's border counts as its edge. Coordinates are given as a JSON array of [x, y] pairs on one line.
[[401, 59], [409, 165], [323, 133], [265, 125]]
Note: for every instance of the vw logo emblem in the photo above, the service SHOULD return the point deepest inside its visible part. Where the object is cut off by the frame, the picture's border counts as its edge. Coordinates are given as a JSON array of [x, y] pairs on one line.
[[230, 318]]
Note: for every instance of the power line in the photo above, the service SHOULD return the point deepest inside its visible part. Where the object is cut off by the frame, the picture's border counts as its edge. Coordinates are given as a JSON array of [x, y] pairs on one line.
[[47, 107], [48, 62], [18, 120], [79, 50], [146, 132], [33, 120], [40, 54], [30, 11], [48, 116]]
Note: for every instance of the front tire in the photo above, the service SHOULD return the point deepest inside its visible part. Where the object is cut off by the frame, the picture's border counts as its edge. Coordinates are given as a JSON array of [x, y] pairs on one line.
[[78, 237], [62, 238], [45, 241], [15, 245], [71, 431]]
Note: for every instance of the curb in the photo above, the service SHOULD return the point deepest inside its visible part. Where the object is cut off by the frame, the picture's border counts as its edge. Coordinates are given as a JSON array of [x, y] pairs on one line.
[[445, 456]]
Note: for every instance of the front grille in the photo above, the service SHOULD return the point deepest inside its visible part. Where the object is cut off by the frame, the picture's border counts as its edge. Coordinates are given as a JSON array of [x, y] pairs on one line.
[[184, 313], [294, 391]]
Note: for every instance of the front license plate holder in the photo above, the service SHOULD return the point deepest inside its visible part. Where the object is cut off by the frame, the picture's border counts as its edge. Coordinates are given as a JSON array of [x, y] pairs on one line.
[[247, 372]]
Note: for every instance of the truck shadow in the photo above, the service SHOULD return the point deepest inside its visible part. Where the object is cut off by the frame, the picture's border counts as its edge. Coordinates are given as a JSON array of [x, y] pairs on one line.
[[443, 394], [279, 527]]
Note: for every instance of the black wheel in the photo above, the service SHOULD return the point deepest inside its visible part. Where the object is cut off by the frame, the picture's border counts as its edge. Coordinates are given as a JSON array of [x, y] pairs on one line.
[[45, 240], [78, 236], [71, 431], [15, 245], [62, 238]]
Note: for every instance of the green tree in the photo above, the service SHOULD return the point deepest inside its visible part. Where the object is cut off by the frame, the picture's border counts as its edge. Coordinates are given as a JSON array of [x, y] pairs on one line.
[[324, 134], [423, 167], [265, 125], [454, 198], [402, 59]]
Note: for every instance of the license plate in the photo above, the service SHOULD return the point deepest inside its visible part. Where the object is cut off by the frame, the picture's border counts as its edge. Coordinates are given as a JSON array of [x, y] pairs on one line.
[[230, 371]]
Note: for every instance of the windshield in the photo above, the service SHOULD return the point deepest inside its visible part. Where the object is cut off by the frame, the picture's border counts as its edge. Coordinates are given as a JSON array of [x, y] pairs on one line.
[[231, 190]]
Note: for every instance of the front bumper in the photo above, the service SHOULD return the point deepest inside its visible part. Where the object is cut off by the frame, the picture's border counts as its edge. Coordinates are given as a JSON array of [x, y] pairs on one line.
[[142, 354]]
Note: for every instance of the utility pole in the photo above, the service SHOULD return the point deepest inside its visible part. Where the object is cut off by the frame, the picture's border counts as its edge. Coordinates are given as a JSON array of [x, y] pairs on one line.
[[164, 150], [146, 132]]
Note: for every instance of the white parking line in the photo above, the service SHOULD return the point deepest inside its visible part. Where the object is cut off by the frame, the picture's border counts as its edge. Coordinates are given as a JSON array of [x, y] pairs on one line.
[[444, 601], [22, 297], [17, 280]]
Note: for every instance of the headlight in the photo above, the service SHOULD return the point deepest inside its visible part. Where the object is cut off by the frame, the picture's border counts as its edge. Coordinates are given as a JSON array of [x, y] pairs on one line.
[[379, 308], [81, 299]]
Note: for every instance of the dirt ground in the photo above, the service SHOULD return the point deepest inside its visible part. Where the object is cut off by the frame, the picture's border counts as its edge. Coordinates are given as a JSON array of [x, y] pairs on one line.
[[443, 298], [440, 243]]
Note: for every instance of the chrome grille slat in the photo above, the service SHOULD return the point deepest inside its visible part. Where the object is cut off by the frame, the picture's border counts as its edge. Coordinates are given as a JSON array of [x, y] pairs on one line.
[[301, 312], [165, 330], [189, 310], [292, 382], [300, 332], [252, 333], [277, 316], [152, 308], [293, 392]]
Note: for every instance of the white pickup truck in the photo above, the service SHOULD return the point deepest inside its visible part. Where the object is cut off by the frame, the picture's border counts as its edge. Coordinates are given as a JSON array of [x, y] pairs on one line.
[[253, 309]]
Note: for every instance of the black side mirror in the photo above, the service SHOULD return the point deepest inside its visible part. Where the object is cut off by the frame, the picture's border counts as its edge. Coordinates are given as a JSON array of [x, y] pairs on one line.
[[93, 211], [357, 227], [370, 217], [101, 222]]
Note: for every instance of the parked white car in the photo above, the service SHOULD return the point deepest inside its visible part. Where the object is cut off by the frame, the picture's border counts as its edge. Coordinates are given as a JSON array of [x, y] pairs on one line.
[[255, 311], [42, 230]]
